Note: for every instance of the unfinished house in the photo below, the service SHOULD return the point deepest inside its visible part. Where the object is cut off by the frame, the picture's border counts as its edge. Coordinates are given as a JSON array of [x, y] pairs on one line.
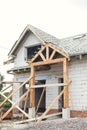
[[52, 71]]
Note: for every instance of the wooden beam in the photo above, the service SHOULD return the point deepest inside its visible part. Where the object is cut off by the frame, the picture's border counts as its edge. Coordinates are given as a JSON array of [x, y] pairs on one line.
[[32, 91], [49, 85], [9, 82], [47, 62], [37, 54], [47, 52], [16, 90], [65, 76], [6, 87], [51, 105], [59, 51], [27, 115], [42, 56], [26, 99], [39, 102], [34, 119], [52, 55], [14, 105]]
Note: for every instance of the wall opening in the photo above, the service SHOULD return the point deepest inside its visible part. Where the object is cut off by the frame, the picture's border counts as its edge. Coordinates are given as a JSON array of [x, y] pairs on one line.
[[61, 101], [31, 51], [38, 92]]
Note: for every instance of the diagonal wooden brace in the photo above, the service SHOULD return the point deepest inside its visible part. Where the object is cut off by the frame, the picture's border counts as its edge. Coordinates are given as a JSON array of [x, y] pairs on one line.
[[14, 104], [16, 90], [27, 115]]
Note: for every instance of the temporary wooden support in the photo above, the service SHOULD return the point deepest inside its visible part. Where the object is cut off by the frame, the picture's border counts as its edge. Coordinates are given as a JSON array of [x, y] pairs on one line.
[[34, 119], [65, 77], [6, 87], [16, 90], [25, 104], [14, 105], [51, 105], [9, 82], [49, 85], [39, 102], [32, 90], [27, 115]]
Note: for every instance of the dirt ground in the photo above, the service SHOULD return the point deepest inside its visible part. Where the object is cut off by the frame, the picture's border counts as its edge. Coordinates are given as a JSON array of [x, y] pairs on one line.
[[57, 124]]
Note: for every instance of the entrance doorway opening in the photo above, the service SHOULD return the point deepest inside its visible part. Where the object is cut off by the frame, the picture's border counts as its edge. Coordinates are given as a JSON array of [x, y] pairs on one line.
[[38, 92]]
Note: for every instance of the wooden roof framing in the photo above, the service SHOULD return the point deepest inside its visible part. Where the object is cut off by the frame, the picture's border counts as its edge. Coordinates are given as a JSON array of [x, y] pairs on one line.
[[48, 59]]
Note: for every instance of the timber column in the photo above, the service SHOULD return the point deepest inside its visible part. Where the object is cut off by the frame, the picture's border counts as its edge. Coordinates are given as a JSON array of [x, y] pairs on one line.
[[32, 94], [66, 110]]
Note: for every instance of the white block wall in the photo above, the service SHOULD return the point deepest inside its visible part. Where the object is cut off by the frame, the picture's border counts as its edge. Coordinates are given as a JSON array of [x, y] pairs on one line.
[[52, 92], [16, 96], [78, 89], [30, 40]]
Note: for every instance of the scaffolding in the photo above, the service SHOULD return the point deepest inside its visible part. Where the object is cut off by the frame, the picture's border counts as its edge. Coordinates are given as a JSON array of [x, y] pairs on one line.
[[51, 56]]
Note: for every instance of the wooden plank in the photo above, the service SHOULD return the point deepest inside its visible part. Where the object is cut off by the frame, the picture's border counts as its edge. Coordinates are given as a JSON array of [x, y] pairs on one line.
[[25, 104], [52, 55], [37, 54], [65, 76], [47, 52], [6, 87], [14, 105], [59, 51], [51, 105], [9, 82], [32, 91], [39, 102], [48, 62], [16, 90], [42, 56], [34, 119], [49, 85], [27, 115]]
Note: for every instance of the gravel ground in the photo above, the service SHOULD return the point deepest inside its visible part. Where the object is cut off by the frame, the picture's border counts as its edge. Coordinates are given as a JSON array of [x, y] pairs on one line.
[[58, 124]]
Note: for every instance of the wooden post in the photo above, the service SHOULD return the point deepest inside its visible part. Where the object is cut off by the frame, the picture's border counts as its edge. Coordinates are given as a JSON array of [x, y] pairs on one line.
[[47, 52], [65, 76], [32, 91]]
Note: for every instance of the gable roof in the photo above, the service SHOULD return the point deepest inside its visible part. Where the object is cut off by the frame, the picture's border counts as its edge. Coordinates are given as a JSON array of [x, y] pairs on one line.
[[74, 45], [43, 37]]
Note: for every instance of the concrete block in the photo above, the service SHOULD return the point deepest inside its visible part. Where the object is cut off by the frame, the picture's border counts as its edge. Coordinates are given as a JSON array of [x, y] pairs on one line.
[[66, 113], [32, 112]]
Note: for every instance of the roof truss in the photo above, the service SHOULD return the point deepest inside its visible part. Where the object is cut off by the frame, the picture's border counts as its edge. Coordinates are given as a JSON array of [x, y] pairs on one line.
[[48, 56]]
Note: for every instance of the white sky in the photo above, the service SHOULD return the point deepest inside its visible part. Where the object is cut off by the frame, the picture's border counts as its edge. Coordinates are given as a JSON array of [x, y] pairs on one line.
[[61, 18]]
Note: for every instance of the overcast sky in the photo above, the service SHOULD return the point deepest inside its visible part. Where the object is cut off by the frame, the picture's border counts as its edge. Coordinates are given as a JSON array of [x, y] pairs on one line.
[[61, 18]]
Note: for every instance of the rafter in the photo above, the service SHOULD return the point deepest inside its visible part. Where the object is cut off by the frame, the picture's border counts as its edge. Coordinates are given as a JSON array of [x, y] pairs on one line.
[[59, 51], [38, 53]]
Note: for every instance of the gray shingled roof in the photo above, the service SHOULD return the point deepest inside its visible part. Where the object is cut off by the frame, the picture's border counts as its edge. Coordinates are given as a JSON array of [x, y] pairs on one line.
[[43, 36], [73, 45]]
